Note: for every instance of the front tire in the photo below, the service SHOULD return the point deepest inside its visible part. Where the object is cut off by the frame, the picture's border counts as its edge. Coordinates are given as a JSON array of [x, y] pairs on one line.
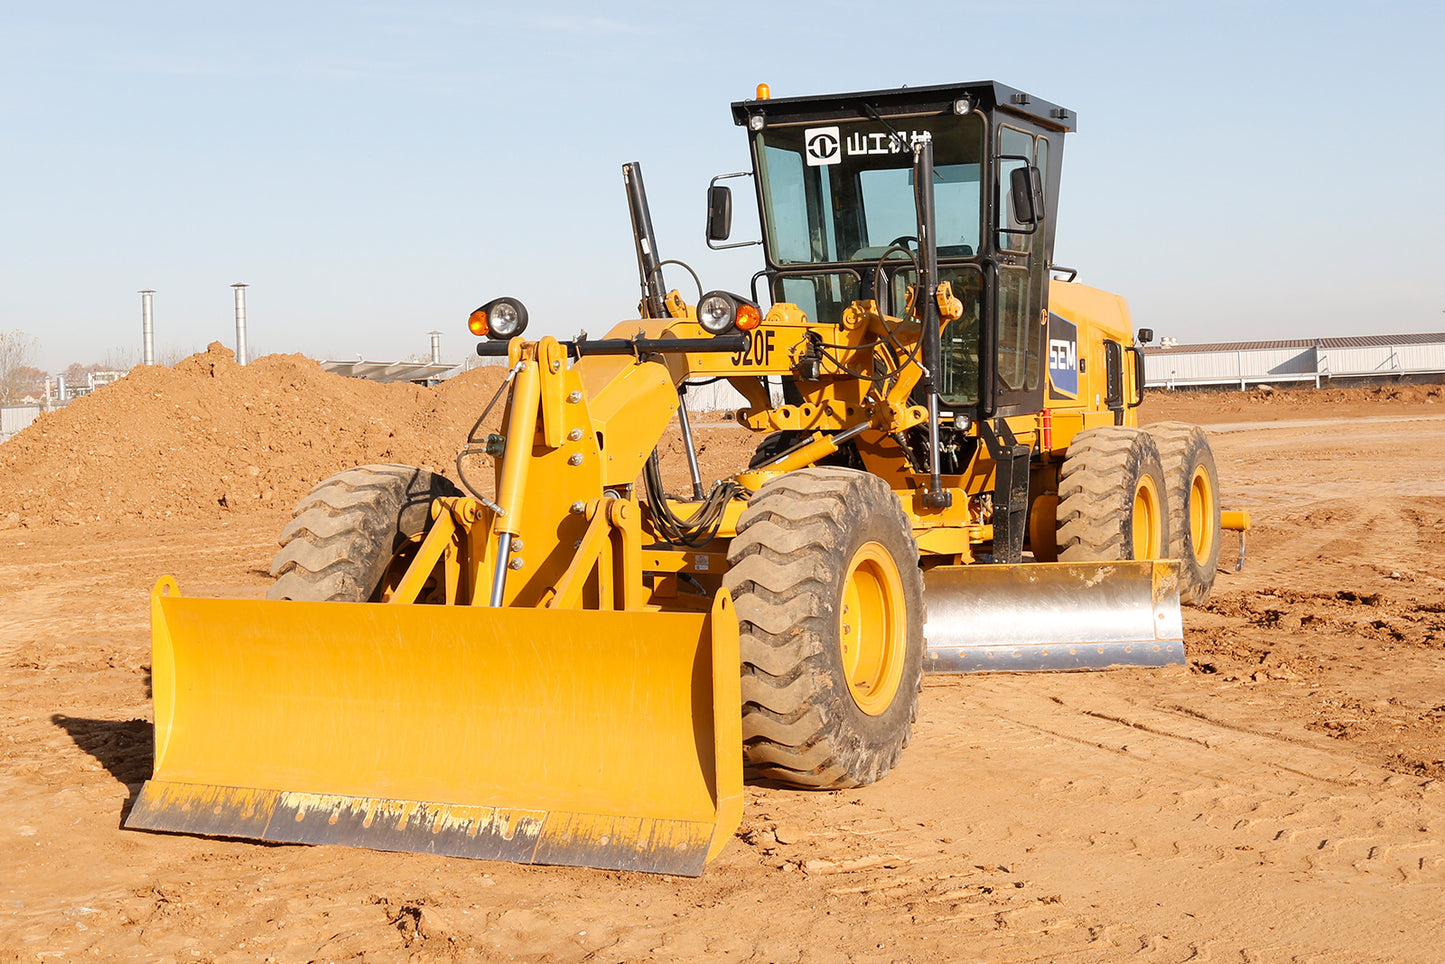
[[824, 572], [1112, 501], [347, 531]]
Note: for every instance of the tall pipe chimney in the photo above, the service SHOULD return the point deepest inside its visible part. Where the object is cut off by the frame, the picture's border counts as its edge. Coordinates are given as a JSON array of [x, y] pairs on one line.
[[240, 323], [436, 348], [148, 328]]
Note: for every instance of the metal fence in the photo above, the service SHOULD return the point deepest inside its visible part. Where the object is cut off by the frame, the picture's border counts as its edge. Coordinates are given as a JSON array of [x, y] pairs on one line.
[[14, 418]]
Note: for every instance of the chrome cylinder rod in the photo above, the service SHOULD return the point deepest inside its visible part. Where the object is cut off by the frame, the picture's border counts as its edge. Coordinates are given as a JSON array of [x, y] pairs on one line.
[[682, 420], [499, 571]]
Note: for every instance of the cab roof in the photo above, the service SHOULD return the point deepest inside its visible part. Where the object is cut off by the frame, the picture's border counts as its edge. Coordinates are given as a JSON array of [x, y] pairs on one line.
[[985, 94]]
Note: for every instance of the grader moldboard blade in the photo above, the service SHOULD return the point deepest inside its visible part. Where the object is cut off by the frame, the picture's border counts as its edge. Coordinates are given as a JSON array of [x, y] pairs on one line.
[[1053, 616], [599, 739]]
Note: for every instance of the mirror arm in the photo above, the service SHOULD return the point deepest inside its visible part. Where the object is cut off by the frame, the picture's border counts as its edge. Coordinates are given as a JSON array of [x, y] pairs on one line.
[[721, 244]]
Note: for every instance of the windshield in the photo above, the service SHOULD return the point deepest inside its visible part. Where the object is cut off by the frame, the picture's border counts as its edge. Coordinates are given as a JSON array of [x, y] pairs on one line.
[[844, 192]]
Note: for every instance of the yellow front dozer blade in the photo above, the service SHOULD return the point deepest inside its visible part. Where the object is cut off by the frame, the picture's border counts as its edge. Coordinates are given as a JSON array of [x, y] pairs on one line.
[[1053, 616], [599, 739]]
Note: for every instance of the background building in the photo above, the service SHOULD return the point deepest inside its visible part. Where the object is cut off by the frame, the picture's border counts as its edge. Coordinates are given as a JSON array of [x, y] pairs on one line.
[[1316, 361]]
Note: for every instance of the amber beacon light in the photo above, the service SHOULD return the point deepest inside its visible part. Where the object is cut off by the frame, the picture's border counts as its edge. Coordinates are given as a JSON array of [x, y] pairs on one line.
[[764, 92]]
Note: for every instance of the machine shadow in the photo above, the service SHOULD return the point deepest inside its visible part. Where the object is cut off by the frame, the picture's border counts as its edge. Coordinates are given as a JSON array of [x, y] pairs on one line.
[[125, 748]]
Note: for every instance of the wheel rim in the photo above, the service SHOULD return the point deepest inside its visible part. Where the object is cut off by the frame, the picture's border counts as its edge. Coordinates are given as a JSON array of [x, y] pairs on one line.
[[872, 629], [1201, 515], [1148, 520]]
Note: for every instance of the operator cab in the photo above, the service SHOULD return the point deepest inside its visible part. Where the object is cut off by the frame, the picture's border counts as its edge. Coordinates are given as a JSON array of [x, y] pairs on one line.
[[836, 198]]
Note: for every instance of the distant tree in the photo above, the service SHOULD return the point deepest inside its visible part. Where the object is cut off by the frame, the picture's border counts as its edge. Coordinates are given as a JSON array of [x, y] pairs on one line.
[[27, 380], [170, 355], [76, 374], [119, 360], [16, 349]]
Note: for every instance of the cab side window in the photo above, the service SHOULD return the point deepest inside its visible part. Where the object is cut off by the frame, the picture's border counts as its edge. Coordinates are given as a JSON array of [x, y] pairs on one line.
[[1020, 292]]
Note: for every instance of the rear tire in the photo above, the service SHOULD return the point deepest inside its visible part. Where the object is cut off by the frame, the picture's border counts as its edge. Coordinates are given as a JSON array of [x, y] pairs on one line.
[[829, 597], [1112, 501], [348, 529], [1192, 489]]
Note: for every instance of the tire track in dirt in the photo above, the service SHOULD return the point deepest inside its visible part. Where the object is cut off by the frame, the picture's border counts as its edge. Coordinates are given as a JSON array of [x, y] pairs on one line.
[[1245, 813], [1326, 537], [1286, 801]]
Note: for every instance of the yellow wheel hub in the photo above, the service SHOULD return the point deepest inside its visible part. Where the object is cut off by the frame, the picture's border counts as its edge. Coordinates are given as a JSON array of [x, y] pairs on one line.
[[872, 628], [1148, 520], [1201, 515]]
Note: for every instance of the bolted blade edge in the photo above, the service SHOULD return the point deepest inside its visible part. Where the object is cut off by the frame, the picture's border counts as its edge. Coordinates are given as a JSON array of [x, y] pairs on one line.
[[646, 844]]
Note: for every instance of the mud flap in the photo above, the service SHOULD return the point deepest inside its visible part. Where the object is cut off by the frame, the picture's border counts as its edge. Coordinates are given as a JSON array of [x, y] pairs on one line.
[[1052, 616], [599, 739]]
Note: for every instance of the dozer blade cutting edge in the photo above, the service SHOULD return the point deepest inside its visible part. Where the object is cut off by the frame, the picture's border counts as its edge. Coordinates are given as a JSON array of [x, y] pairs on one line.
[[1053, 616], [600, 739]]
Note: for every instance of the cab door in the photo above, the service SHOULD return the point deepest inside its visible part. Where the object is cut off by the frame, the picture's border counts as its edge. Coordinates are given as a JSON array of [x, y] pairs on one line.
[[1022, 276]]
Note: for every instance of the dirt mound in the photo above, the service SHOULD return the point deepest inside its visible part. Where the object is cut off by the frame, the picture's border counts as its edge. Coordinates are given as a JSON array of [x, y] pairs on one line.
[[1408, 394], [1269, 395], [1267, 403], [210, 437]]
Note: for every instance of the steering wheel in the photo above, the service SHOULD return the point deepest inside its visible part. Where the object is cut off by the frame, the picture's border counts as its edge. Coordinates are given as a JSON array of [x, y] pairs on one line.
[[902, 239]]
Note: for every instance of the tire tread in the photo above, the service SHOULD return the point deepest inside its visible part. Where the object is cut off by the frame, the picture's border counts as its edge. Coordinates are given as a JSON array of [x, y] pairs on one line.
[[345, 530], [784, 561]]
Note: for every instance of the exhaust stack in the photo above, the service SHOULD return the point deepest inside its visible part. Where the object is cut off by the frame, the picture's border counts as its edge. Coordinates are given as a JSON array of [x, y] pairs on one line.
[[240, 323], [148, 328]]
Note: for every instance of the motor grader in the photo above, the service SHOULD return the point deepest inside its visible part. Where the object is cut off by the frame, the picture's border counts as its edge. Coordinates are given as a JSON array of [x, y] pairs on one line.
[[573, 665]]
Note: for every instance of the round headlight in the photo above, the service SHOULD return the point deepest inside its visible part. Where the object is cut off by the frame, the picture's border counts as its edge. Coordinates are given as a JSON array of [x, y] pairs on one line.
[[716, 311], [757, 122], [500, 319], [504, 319]]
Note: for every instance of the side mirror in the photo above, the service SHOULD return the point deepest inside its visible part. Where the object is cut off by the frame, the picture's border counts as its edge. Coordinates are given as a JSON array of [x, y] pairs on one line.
[[719, 212], [1027, 188], [1146, 335]]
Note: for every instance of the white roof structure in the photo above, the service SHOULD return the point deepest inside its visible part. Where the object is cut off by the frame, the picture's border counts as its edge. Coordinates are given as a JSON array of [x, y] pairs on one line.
[[398, 371], [1317, 360]]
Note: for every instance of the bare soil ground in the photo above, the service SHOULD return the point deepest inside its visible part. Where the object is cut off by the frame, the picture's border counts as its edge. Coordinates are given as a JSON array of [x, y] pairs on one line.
[[1280, 799]]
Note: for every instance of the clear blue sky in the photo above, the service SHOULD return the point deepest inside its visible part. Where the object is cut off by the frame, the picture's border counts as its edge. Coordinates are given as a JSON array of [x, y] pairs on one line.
[[375, 170]]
